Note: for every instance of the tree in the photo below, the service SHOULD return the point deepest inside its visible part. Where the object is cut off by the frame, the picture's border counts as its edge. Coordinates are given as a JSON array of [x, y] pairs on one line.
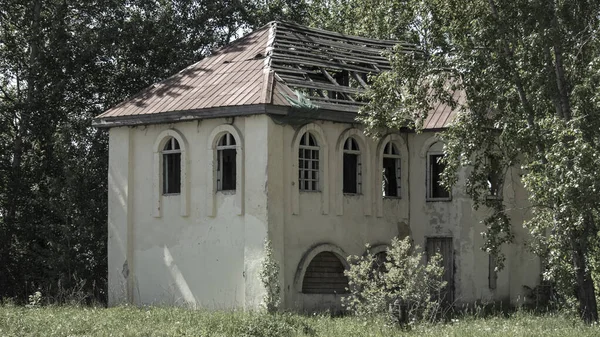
[[530, 71], [61, 64]]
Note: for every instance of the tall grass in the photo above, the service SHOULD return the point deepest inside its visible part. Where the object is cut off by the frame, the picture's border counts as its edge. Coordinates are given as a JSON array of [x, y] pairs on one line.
[[167, 321]]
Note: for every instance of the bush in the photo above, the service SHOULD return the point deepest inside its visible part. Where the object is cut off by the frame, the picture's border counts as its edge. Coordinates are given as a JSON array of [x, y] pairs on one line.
[[403, 288]]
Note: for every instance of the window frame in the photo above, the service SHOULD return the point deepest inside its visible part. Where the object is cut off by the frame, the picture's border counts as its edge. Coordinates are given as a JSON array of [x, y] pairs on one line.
[[315, 174], [429, 178], [397, 157], [230, 144], [352, 149], [164, 166]]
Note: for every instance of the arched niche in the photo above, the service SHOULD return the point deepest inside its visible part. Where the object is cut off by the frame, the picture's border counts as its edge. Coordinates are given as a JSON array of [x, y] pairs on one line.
[[327, 250], [365, 153], [318, 133], [159, 144], [211, 197], [401, 145]]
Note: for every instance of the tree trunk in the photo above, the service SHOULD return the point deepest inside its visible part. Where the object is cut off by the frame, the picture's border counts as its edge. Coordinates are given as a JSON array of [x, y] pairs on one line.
[[586, 294]]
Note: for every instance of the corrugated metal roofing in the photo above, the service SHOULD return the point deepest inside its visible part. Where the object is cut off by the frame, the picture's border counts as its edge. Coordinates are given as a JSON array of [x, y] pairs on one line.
[[266, 68]]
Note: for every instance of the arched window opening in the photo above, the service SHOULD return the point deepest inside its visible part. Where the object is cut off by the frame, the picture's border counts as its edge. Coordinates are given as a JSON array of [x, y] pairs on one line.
[[352, 167], [171, 167], [391, 171], [308, 163], [325, 275], [226, 163]]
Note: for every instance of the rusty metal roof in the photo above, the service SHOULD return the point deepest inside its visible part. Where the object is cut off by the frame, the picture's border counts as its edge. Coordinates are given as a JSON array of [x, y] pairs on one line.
[[268, 71]]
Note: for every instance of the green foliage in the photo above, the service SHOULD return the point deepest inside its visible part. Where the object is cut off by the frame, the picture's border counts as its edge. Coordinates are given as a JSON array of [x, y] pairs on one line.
[[269, 277], [529, 74], [162, 321], [61, 64], [404, 282]]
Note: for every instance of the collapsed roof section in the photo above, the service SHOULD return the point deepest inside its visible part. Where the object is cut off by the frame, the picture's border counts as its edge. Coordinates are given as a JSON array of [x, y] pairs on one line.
[[272, 70]]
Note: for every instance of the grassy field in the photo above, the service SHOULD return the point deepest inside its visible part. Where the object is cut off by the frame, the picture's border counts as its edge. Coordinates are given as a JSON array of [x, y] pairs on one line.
[[159, 321]]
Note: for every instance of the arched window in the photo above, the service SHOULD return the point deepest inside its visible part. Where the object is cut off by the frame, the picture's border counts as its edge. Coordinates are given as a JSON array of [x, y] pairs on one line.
[[171, 155], [308, 163], [391, 171], [325, 275], [226, 163], [352, 167]]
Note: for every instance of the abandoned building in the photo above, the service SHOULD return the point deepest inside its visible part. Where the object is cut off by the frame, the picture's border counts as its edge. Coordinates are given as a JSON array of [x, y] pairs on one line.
[[259, 141]]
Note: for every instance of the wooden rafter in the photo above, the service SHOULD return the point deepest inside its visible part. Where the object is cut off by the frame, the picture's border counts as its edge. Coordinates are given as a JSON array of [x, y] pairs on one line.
[[305, 57]]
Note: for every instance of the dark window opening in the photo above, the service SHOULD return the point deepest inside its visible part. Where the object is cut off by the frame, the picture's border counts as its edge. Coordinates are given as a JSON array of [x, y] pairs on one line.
[[351, 167], [325, 275], [171, 167], [350, 173], [226, 163], [436, 167]]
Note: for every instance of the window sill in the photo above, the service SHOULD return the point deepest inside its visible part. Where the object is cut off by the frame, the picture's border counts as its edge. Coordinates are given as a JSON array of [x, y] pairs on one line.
[[170, 194], [309, 191], [438, 199], [385, 197], [226, 192], [352, 194]]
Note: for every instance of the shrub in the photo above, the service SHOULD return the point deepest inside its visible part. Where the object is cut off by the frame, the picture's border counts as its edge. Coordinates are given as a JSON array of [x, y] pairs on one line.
[[404, 288], [269, 276]]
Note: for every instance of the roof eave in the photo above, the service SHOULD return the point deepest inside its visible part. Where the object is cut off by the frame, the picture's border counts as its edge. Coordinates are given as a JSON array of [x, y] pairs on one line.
[[188, 115]]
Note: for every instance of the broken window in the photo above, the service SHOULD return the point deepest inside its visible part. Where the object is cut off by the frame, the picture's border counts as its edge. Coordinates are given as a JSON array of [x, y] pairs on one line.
[[352, 167], [226, 163], [391, 171], [171, 167], [435, 167], [494, 180], [325, 275], [308, 163]]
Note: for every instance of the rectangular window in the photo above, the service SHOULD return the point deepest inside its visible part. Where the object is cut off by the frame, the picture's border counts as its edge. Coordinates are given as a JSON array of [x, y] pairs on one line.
[[391, 177], [226, 170], [350, 173], [435, 188], [171, 173]]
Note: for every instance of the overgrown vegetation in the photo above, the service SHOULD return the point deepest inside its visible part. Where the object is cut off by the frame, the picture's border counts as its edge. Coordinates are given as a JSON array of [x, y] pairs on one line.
[[53, 321], [269, 277], [530, 74], [401, 287]]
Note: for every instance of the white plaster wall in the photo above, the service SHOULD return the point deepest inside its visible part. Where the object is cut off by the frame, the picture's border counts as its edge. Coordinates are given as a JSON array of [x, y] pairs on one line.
[[196, 260], [351, 230], [203, 261]]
